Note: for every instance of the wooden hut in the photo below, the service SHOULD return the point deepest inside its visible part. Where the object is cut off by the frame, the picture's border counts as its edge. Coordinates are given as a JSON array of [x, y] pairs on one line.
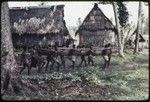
[[142, 41], [96, 29], [31, 25]]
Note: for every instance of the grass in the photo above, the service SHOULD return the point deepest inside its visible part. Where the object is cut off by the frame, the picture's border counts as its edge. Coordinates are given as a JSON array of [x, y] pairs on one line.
[[126, 79]]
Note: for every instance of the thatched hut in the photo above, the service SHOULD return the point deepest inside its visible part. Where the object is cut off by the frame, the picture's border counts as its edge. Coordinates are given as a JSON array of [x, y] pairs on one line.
[[96, 29], [31, 25], [143, 42]]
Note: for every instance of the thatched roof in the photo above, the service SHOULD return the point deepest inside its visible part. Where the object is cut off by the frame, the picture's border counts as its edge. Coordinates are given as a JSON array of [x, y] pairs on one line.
[[133, 37], [96, 21], [38, 20], [146, 37]]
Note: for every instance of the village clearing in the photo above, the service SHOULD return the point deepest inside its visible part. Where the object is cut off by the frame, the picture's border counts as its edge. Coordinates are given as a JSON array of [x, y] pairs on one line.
[[126, 79]]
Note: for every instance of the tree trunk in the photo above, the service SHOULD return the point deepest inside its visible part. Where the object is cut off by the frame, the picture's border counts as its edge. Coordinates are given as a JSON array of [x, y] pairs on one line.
[[9, 69], [120, 44], [138, 30]]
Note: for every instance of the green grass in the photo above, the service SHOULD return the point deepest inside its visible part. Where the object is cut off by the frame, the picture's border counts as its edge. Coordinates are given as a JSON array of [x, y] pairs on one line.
[[130, 74], [126, 79]]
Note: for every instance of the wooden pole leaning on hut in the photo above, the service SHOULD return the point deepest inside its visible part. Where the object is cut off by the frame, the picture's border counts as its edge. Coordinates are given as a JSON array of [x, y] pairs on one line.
[[64, 52], [96, 50]]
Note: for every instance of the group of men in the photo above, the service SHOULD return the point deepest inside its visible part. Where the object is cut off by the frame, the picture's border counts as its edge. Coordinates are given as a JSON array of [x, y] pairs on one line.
[[34, 57]]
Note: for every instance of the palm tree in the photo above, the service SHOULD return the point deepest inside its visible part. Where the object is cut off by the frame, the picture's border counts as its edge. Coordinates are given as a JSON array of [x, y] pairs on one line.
[[118, 27]]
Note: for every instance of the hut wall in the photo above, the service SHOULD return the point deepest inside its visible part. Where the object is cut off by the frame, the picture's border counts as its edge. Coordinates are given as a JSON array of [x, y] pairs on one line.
[[34, 39], [26, 39], [98, 38], [56, 38]]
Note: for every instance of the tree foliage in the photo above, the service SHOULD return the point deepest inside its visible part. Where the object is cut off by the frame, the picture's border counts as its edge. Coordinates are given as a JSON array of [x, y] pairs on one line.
[[44, 3], [104, 2], [123, 13], [79, 22]]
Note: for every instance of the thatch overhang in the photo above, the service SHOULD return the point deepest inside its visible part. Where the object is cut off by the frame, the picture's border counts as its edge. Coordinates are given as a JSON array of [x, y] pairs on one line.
[[38, 20], [133, 37], [96, 21]]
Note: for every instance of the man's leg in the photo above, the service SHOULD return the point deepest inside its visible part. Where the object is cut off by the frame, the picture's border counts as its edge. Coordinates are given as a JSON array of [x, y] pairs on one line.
[[58, 64], [64, 64], [91, 60], [52, 65], [42, 65], [88, 60], [73, 61], [29, 69], [24, 66], [109, 60], [73, 64], [105, 62], [85, 62], [47, 65], [81, 62]]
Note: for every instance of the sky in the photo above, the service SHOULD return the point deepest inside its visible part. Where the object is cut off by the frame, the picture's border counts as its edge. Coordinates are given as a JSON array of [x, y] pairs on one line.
[[74, 10]]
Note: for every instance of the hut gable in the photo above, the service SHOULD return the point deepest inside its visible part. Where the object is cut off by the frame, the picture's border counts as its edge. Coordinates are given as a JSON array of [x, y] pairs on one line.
[[133, 37], [96, 29], [96, 20], [143, 40], [38, 20]]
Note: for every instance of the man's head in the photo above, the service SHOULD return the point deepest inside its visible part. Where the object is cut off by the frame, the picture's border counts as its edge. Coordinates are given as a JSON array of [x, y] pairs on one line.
[[107, 45], [56, 43], [24, 48], [55, 48], [90, 47], [73, 45]]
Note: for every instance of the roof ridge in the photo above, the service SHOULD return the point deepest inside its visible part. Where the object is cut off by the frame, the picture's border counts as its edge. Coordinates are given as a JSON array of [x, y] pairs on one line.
[[47, 6]]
